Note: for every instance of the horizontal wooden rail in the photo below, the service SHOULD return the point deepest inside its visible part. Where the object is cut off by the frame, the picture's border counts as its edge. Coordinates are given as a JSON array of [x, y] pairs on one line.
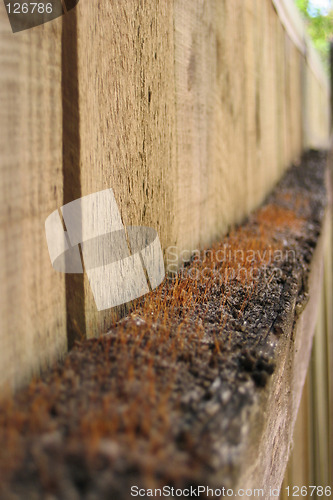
[[200, 384]]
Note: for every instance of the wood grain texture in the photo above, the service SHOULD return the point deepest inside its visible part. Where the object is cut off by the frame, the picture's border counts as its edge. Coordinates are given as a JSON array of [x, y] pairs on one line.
[[239, 116], [127, 116], [32, 300], [316, 110]]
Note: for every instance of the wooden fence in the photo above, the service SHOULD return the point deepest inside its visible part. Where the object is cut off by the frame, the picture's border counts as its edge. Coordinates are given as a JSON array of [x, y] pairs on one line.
[[190, 111]]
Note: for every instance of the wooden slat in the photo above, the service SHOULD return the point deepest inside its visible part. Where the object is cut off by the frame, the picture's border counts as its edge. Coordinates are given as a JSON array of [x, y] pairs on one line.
[[239, 122], [126, 117], [32, 299], [316, 112]]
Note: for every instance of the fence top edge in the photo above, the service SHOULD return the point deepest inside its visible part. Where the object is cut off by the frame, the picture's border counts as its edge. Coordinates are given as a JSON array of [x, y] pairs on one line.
[[294, 25]]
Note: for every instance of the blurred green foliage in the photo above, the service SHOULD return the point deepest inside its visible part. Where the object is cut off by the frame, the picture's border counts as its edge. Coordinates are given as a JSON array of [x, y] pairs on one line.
[[319, 26]]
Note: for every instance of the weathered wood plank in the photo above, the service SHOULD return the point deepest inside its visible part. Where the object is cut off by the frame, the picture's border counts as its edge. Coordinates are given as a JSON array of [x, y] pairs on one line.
[[238, 82], [32, 299], [268, 450], [200, 386], [127, 117]]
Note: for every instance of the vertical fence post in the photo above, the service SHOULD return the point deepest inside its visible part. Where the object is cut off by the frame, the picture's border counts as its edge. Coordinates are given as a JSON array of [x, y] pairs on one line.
[[331, 80]]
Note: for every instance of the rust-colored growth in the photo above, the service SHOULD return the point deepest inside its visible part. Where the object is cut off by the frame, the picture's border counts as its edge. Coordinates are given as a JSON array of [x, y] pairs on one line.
[[274, 217], [297, 202]]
